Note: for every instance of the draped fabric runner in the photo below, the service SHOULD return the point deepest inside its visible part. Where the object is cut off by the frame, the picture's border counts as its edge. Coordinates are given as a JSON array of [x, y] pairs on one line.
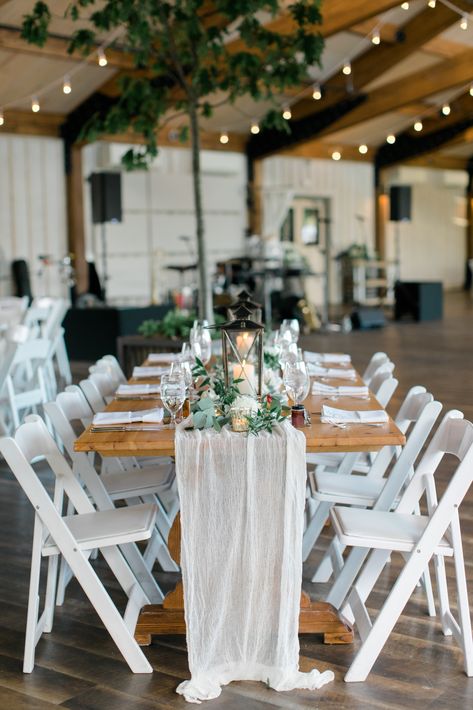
[[242, 513]]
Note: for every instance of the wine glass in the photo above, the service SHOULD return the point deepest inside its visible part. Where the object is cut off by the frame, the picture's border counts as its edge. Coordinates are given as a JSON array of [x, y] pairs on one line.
[[200, 336], [182, 368], [296, 380], [291, 325], [173, 394]]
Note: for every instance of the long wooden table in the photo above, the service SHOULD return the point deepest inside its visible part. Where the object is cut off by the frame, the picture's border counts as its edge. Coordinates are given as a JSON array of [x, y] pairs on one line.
[[315, 617]]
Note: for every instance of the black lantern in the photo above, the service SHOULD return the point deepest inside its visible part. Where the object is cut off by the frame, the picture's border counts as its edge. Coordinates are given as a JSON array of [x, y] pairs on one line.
[[244, 299], [242, 352]]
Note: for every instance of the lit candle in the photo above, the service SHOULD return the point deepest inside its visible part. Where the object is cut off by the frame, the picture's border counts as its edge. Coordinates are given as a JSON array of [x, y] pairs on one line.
[[243, 342], [246, 372]]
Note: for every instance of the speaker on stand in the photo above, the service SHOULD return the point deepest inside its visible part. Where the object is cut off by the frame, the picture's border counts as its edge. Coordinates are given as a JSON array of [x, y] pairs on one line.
[[106, 196], [400, 200]]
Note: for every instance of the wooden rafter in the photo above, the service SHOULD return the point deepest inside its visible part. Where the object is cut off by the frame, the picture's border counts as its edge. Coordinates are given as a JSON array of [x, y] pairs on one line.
[[28, 123], [402, 92], [56, 48], [413, 35]]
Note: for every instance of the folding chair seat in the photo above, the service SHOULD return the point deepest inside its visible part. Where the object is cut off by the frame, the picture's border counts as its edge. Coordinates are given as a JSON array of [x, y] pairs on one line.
[[74, 538], [419, 538], [416, 418]]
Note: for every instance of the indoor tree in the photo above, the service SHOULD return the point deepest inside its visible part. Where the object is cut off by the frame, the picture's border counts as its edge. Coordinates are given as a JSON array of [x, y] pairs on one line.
[[189, 57]]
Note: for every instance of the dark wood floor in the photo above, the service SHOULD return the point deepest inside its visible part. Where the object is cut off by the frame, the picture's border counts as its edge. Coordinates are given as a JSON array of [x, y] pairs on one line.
[[78, 666]]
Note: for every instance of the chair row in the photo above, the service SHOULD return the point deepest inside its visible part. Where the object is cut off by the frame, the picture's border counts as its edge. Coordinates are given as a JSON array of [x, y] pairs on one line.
[[378, 513]]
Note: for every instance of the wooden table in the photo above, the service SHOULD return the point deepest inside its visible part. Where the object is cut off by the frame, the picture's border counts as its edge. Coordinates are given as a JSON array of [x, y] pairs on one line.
[[315, 617]]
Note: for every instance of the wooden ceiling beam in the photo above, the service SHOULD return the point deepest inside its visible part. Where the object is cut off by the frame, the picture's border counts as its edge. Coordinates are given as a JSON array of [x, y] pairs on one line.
[[167, 137], [412, 36], [56, 48], [28, 123], [410, 89]]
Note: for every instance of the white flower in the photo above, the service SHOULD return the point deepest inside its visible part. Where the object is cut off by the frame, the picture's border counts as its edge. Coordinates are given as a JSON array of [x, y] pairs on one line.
[[244, 401], [210, 394]]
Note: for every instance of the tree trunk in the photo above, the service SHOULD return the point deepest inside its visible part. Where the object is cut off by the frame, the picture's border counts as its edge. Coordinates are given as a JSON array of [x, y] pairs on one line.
[[205, 289]]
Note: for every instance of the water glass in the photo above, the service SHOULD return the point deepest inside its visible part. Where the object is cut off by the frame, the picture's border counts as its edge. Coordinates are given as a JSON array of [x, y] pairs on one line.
[[291, 325], [173, 394], [296, 380]]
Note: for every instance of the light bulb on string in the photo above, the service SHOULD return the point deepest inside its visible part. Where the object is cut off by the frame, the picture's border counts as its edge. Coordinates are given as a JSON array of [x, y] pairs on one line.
[[317, 92], [391, 139], [286, 114], [363, 149], [254, 128], [471, 89], [224, 138], [66, 85], [35, 107], [347, 68], [376, 37], [432, 3], [464, 22], [101, 58], [405, 5], [446, 109], [2, 118], [418, 126], [336, 155]]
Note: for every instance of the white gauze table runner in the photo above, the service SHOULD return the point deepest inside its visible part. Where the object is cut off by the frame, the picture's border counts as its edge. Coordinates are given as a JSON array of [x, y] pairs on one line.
[[242, 511]]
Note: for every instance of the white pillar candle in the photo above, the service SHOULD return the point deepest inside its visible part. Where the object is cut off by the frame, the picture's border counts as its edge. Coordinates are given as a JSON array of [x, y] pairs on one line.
[[246, 372]]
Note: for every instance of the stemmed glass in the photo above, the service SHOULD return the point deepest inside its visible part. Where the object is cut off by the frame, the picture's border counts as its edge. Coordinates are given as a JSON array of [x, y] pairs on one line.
[[201, 342], [182, 368], [291, 325], [173, 393], [296, 380]]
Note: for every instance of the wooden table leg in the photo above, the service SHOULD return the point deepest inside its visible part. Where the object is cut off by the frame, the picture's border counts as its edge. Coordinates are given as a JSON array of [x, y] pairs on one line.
[[168, 618]]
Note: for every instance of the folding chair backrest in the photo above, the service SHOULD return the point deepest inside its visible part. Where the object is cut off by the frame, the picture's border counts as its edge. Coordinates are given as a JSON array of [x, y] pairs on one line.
[[376, 360], [383, 385], [68, 407], [93, 391], [454, 436], [33, 442], [112, 363], [103, 368]]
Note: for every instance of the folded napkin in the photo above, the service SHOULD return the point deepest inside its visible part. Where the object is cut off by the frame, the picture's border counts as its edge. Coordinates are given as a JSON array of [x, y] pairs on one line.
[[149, 371], [345, 416], [346, 390], [326, 357], [137, 390], [340, 372], [111, 418], [163, 357]]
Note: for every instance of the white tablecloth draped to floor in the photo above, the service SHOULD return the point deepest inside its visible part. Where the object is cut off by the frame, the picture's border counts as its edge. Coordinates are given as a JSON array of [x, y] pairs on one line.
[[242, 513]]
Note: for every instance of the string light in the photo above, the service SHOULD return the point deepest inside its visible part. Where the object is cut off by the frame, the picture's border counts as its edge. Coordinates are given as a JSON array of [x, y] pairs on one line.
[[347, 68], [101, 58], [446, 109], [35, 107], [317, 92], [2, 118], [464, 22], [66, 85], [432, 3], [286, 113], [418, 126], [391, 139], [336, 155], [405, 5], [376, 37], [363, 149], [254, 128], [224, 138], [471, 89]]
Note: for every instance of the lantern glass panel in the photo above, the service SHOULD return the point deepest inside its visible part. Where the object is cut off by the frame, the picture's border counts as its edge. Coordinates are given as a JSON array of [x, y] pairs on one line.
[[242, 357]]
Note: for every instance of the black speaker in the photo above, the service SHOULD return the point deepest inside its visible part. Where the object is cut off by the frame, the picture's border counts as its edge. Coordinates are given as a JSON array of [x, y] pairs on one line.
[[106, 197], [423, 300], [400, 203], [365, 318], [21, 278]]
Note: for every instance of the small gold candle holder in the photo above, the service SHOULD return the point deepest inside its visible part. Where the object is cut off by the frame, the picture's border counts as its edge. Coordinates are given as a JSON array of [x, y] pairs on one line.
[[239, 419]]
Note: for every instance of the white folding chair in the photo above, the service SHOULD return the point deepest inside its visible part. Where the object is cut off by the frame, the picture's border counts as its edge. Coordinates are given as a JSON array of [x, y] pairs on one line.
[[141, 484], [111, 363], [74, 537], [416, 418], [419, 538], [377, 359], [99, 389]]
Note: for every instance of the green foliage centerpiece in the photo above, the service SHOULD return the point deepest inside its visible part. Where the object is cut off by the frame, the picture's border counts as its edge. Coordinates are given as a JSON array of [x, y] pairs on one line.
[[218, 403]]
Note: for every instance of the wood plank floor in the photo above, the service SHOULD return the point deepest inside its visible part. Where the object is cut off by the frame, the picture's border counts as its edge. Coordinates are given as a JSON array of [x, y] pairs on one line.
[[78, 667]]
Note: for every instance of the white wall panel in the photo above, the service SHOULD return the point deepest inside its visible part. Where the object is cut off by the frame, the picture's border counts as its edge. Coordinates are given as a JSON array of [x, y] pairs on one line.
[[32, 210]]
